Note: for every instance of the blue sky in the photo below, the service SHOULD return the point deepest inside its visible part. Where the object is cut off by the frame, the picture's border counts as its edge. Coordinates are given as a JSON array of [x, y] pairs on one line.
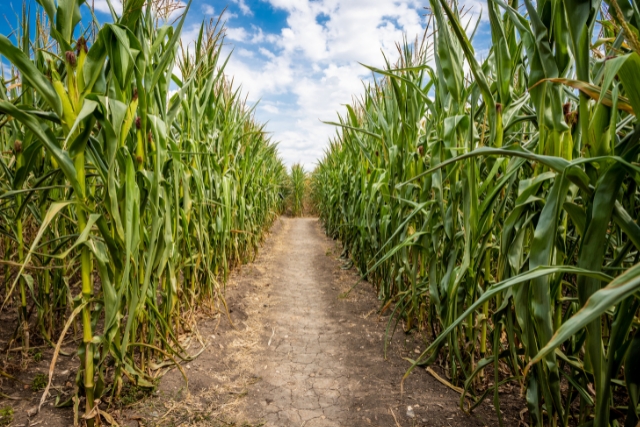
[[300, 58]]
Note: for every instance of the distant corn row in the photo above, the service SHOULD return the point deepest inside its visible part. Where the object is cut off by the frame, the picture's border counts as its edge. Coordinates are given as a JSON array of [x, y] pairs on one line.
[[297, 189], [497, 208], [127, 192]]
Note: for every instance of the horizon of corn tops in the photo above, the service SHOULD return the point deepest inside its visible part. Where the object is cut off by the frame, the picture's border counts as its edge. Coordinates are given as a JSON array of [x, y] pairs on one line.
[[497, 209], [124, 203]]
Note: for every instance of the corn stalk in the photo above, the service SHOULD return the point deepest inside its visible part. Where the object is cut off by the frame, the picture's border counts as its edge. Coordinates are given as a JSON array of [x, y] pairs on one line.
[[495, 208], [128, 192]]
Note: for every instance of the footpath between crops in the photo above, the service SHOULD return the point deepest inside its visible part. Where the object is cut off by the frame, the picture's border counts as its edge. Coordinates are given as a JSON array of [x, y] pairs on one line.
[[301, 354]]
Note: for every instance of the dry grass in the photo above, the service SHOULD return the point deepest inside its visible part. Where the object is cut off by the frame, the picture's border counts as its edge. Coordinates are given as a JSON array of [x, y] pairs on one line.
[[222, 403]]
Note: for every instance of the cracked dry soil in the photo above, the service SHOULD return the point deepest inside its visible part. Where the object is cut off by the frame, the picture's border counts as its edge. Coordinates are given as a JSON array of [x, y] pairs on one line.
[[300, 355]]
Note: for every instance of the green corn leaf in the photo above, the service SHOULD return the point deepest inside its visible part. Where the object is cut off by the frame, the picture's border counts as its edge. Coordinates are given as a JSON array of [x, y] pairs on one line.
[[31, 74], [621, 287], [48, 139]]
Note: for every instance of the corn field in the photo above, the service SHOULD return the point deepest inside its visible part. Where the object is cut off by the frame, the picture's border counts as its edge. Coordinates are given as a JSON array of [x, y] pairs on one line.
[[493, 203], [128, 189], [297, 189]]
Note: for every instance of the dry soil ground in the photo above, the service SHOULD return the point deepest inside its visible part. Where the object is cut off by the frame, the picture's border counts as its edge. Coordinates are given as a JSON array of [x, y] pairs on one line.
[[300, 354]]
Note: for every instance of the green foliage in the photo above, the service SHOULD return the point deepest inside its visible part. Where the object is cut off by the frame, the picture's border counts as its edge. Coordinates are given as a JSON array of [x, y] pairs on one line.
[[132, 393], [39, 382], [297, 190], [497, 209], [6, 416], [128, 192]]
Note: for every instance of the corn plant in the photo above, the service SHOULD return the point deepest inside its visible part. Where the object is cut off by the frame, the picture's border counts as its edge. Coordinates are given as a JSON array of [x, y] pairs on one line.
[[297, 189], [495, 209], [127, 192]]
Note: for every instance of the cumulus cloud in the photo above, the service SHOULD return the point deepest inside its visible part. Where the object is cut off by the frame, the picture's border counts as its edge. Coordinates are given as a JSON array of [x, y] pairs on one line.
[[103, 6], [270, 108], [237, 34], [176, 10], [245, 53], [267, 53], [257, 36], [243, 7], [305, 71], [207, 9], [309, 69]]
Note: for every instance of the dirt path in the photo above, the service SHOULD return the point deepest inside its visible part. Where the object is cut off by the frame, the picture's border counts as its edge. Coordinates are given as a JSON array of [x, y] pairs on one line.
[[303, 371], [300, 355]]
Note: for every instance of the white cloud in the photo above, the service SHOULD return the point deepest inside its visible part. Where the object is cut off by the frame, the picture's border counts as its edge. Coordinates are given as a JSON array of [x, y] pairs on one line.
[[207, 9], [240, 34], [259, 78], [246, 53], [305, 72], [103, 6], [267, 53], [270, 108], [236, 34], [309, 70], [243, 7], [258, 36]]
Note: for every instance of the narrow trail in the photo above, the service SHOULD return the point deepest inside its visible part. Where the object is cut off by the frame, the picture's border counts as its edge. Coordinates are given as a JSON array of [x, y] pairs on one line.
[[303, 368], [300, 354]]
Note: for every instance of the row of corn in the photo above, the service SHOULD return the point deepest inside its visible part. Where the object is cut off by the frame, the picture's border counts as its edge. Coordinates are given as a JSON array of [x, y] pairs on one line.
[[493, 201], [133, 177], [297, 190]]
